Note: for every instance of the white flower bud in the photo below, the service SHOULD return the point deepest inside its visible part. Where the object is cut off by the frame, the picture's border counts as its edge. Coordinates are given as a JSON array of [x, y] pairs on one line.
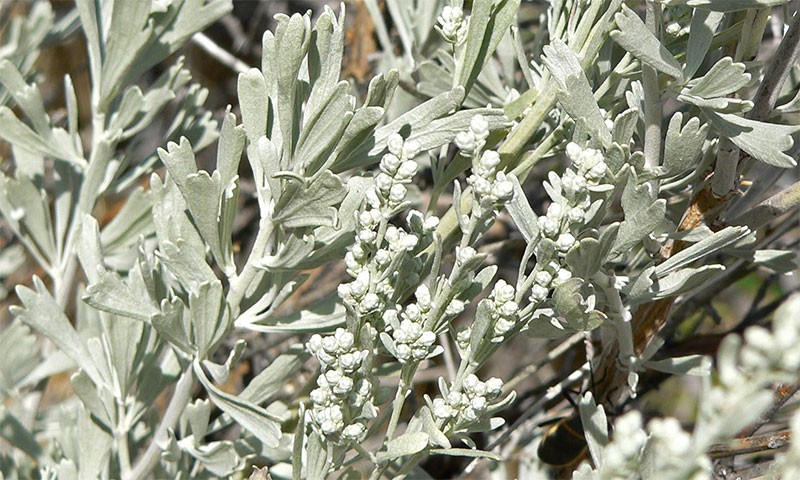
[[478, 404], [413, 313], [455, 307], [469, 415], [450, 22], [419, 353], [367, 237], [598, 171], [480, 185], [358, 251], [494, 386], [509, 309], [490, 159], [397, 193], [329, 344], [554, 211], [343, 386], [576, 214], [441, 409], [351, 262], [565, 241], [430, 224], [549, 226], [411, 149], [673, 28], [314, 343], [502, 326], [543, 277], [573, 151], [462, 337], [349, 362], [407, 169], [455, 398], [384, 182], [466, 142], [464, 255], [395, 144], [344, 291], [318, 396], [539, 293], [403, 352], [471, 382], [423, 295], [479, 126], [502, 190], [354, 432], [345, 340], [382, 257], [370, 302], [408, 242], [503, 292], [360, 285], [572, 184], [390, 163]]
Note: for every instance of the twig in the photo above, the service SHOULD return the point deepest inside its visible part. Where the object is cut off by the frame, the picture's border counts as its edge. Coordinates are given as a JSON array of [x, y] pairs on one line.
[[782, 394], [757, 443], [653, 110], [551, 355], [776, 73], [771, 208], [220, 54], [552, 394], [180, 398]]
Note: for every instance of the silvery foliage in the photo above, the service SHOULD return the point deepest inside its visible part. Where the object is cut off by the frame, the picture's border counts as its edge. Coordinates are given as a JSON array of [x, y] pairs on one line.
[[166, 295], [746, 366]]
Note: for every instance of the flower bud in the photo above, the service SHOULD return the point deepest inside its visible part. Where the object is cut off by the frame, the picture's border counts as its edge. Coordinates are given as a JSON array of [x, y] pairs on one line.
[[479, 126], [395, 144]]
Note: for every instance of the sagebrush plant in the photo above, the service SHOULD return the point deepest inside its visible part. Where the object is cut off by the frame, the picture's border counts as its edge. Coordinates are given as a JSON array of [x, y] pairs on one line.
[[642, 151]]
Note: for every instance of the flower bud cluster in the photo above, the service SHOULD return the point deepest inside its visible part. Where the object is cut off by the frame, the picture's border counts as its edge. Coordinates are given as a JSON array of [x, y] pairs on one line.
[[674, 450], [491, 189], [341, 403], [568, 213], [546, 277], [469, 405], [503, 310], [474, 138], [452, 25], [412, 340], [370, 256], [773, 351], [397, 168]]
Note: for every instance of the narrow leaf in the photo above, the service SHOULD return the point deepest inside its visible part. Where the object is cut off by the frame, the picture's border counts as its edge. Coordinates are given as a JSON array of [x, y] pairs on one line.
[[253, 418]]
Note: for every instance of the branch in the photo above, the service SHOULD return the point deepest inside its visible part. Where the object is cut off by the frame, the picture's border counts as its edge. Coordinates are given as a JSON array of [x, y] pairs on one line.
[[771, 208], [180, 398], [758, 443], [219, 53], [653, 110], [775, 75]]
